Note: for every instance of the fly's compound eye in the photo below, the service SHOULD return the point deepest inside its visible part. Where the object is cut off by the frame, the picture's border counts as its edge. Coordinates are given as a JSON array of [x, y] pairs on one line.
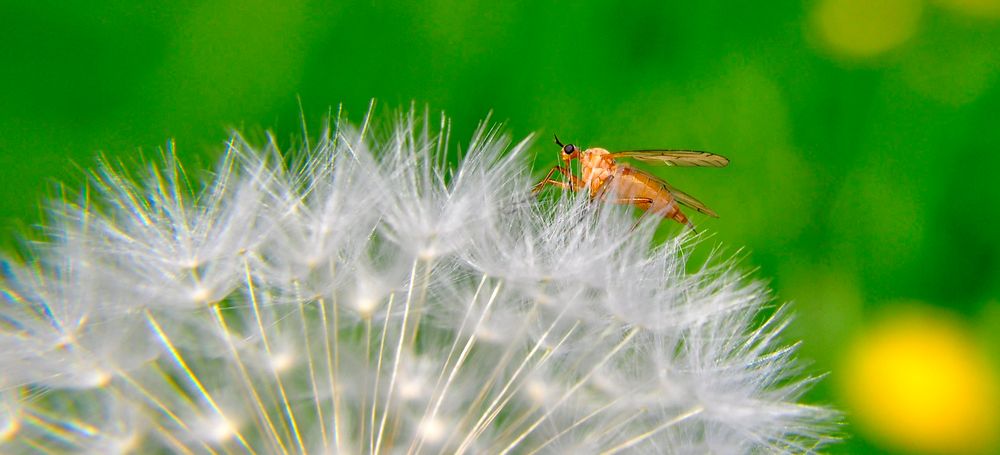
[[569, 149]]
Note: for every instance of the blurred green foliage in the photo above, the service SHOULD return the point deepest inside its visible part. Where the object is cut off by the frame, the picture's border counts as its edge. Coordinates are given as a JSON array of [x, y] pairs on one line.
[[857, 178]]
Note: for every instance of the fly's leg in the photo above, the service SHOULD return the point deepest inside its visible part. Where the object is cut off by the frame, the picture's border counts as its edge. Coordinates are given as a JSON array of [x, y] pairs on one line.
[[645, 203], [572, 183], [602, 189], [641, 202]]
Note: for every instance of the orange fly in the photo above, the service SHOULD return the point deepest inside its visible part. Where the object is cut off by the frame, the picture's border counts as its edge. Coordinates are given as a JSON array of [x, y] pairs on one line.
[[599, 168]]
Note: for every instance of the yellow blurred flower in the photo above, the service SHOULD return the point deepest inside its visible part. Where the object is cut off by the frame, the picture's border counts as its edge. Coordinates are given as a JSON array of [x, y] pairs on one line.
[[865, 28], [917, 381], [981, 8]]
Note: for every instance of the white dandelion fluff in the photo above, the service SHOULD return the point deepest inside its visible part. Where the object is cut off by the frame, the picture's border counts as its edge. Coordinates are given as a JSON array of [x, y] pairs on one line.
[[360, 296]]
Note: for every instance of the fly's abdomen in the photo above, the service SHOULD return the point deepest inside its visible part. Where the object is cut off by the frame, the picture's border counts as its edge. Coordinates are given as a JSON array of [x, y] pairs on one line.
[[647, 193]]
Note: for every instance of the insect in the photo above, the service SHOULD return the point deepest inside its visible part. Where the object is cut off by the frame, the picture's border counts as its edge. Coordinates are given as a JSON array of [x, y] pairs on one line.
[[619, 183]]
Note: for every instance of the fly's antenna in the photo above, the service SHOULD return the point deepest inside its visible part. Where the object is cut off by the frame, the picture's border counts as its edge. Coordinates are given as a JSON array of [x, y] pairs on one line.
[[560, 144]]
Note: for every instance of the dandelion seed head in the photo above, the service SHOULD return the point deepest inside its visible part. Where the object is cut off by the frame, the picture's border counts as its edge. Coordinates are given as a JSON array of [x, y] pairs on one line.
[[129, 443], [201, 295], [369, 290], [429, 251], [366, 306], [489, 334], [191, 263], [217, 430], [282, 361], [433, 430], [359, 295], [539, 390], [414, 380], [95, 378]]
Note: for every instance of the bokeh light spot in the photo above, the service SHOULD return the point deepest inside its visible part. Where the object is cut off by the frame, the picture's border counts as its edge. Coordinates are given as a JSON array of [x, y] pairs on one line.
[[861, 29], [916, 381], [951, 73]]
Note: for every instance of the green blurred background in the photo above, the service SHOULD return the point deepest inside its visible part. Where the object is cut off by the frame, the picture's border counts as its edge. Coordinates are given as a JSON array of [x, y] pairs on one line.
[[863, 135]]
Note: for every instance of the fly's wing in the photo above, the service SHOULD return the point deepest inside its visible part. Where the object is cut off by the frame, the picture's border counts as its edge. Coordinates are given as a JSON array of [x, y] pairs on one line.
[[688, 200], [684, 158]]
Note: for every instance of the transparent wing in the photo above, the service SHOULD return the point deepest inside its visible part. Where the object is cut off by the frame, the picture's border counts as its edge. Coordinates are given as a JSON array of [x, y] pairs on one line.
[[689, 200], [685, 158]]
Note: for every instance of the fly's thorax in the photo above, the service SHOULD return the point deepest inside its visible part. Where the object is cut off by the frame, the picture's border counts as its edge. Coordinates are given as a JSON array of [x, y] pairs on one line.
[[597, 166], [594, 155]]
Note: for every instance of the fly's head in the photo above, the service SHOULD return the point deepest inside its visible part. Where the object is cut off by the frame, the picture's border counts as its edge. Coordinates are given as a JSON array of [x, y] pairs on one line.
[[569, 151]]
